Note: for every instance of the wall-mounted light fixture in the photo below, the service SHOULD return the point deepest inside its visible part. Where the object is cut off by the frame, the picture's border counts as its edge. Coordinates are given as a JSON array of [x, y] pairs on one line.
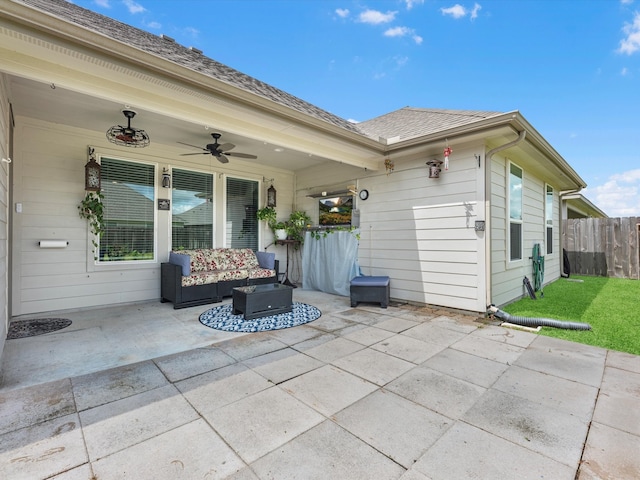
[[92, 173], [271, 196], [434, 168], [166, 178]]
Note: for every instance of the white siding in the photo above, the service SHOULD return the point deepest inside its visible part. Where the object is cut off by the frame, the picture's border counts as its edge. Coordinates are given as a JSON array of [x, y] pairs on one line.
[[49, 179], [507, 276], [417, 230], [4, 210]]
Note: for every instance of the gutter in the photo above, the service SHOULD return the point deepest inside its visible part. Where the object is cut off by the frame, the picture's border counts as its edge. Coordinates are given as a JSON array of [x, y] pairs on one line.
[[487, 205]]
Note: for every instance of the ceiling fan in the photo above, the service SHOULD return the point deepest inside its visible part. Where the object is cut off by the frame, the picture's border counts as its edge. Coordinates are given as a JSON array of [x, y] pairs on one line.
[[220, 151]]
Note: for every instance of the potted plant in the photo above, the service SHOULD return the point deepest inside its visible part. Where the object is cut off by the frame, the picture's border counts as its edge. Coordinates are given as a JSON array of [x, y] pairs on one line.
[[296, 224], [268, 214], [280, 230], [91, 208]]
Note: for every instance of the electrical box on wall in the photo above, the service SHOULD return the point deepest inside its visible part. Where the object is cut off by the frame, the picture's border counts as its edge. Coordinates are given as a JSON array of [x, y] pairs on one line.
[[479, 227]]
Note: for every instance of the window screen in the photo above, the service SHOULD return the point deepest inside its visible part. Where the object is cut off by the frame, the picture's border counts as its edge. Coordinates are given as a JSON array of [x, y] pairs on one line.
[[242, 223], [515, 212], [191, 210], [129, 199], [549, 218]]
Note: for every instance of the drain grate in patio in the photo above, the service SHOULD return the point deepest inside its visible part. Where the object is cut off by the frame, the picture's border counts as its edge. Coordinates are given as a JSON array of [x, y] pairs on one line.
[[37, 326]]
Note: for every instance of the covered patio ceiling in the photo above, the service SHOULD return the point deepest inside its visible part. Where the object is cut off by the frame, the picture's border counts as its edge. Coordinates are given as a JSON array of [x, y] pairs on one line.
[[52, 103]]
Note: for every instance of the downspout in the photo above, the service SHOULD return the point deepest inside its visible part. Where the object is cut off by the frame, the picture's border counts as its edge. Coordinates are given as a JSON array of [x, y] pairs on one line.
[[487, 205], [563, 209]]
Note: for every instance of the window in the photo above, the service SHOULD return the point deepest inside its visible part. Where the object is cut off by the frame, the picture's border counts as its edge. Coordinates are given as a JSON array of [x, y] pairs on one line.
[[515, 212], [191, 210], [129, 217], [242, 205], [548, 210]]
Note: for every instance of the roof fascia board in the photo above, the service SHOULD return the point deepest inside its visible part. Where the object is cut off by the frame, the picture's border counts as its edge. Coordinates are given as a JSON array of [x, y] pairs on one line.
[[511, 119]]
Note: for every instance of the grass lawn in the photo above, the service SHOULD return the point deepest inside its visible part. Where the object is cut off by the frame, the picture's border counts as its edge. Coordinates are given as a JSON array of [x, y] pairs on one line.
[[609, 305]]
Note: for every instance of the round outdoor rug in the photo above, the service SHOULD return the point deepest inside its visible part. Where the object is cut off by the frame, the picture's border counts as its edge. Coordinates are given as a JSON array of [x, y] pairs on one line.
[[222, 318], [38, 326]]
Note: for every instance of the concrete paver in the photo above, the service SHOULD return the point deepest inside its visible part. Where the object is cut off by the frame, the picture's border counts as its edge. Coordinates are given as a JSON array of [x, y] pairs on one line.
[[412, 393]]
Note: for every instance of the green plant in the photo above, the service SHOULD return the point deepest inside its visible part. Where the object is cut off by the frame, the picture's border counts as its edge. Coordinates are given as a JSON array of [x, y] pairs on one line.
[[267, 214], [91, 208], [323, 232], [298, 221]]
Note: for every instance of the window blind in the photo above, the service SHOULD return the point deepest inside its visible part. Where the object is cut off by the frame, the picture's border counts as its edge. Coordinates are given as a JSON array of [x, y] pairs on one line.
[[242, 205], [192, 210], [129, 199]]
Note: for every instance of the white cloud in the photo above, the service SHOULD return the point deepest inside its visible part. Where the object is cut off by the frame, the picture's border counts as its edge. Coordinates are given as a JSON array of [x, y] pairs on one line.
[[631, 43], [418, 39], [476, 8], [411, 3], [133, 7], [342, 12], [374, 17], [626, 2], [458, 11], [624, 71], [154, 25], [619, 196], [397, 32], [102, 3]]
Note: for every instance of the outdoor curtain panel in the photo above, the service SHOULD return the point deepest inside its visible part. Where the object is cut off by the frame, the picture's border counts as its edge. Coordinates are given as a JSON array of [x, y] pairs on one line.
[[329, 263]]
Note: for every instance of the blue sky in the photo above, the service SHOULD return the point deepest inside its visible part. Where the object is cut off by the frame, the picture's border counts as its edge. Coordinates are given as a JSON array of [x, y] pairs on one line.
[[571, 67]]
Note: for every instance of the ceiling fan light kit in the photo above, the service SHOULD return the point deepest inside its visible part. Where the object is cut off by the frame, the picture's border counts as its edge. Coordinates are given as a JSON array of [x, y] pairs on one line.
[[128, 136], [220, 151]]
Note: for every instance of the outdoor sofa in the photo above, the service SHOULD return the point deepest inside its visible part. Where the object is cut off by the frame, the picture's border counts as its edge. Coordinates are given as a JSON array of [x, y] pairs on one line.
[[206, 275]]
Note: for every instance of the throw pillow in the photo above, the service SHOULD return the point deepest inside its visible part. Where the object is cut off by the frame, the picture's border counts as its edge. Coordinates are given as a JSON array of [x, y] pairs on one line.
[[266, 260], [183, 260]]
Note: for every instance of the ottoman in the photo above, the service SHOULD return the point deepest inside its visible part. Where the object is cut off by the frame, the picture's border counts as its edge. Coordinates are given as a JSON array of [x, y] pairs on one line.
[[370, 289]]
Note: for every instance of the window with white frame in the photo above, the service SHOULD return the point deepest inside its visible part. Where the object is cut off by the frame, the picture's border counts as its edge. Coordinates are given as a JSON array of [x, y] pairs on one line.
[[242, 205], [129, 215], [191, 210], [515, 212], [548, 210]]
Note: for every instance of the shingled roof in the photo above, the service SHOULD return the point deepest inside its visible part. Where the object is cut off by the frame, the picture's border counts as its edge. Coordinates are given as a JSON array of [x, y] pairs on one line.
[[405, 123], [409, 122], [186, 57]]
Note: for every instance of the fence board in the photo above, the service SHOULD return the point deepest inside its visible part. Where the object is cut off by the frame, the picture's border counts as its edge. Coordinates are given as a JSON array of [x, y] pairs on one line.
[[603, 246]]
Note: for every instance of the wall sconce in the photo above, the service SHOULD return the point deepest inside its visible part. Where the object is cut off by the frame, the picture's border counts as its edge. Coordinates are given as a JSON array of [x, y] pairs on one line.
[[434, 168], [92, 173], [166, 178], [388, 165], [271, 197]]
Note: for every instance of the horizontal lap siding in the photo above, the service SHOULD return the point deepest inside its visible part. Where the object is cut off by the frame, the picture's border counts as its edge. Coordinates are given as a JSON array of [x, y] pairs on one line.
[[507, 277], [49, 174], [420, 231]]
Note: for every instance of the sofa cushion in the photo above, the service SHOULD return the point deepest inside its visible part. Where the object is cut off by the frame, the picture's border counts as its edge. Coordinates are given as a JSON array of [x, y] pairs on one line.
[[260, 273], [266, 260], [213, 276], [183, 260]]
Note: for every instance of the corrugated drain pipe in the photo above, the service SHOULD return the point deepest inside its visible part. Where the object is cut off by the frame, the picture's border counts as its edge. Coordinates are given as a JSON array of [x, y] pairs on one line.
[[536, 322]]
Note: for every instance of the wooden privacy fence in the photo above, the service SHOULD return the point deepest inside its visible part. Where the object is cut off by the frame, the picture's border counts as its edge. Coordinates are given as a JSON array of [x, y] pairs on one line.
[[606, 247]]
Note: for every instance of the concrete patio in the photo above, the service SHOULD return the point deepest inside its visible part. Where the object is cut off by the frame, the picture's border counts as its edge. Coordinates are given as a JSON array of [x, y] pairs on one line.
[[147, 392]]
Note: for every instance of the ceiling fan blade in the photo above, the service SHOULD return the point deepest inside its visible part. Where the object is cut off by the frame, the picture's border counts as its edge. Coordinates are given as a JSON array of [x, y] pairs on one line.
[[197, 153], [226, 146], [222, 159], [194, 146], [240, 155]]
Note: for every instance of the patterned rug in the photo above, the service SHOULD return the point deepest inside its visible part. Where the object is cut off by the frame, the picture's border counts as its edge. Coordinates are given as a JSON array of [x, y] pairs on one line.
[[222, 318], [38, 326]]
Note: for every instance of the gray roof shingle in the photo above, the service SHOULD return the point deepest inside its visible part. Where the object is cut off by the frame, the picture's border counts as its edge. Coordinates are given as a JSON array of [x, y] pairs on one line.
[[409, 122]]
